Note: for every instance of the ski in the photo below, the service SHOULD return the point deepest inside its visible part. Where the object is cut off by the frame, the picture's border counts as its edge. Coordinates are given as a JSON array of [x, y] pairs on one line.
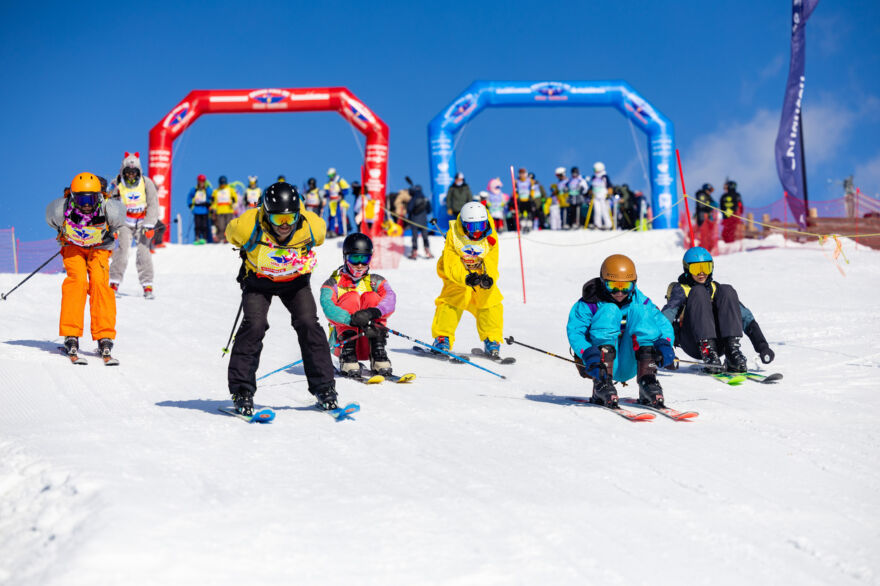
[[482, 354], [767, 379], [668, 412], [265, 415], [110, 361], [628, 415], [74, 358], [400, 379], [341, 413], [364, 377], [730, 378], [437, 356]]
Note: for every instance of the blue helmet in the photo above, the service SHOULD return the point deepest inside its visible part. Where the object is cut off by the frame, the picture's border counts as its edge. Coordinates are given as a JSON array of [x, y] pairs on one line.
[[694, 255]]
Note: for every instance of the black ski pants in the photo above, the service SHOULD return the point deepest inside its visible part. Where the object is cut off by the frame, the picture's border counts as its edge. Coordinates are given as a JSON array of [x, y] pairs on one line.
[[201, 226], [415, 238], [298, 299], [705, 318]]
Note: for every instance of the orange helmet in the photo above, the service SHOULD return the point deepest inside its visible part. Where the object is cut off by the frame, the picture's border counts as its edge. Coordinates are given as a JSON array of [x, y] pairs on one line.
[[85, 183], [618, 267]]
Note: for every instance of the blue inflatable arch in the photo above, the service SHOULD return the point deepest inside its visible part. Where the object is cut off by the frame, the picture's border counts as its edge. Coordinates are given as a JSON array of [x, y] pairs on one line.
[[554, 94]]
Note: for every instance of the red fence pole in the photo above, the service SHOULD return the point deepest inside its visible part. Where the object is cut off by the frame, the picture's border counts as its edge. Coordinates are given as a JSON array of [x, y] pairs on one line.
[[684, 192], [522, 268]]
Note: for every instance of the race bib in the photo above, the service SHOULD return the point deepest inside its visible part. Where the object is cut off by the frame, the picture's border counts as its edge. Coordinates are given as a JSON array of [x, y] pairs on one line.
[[85, 236], [200, 197], [283, 264], [224, 197], [253, 196]]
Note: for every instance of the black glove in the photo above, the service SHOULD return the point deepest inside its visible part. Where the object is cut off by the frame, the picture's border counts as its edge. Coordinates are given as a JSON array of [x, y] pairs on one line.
[[472, 280], [486, 281], [361, 318], [767, 355], [371, 331]]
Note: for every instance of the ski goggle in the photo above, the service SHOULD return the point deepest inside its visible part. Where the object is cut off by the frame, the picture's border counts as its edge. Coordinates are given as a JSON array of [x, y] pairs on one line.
[[88, 198], [619, 286], [359, 259], [705, 267], [280, 219], [476, 229]]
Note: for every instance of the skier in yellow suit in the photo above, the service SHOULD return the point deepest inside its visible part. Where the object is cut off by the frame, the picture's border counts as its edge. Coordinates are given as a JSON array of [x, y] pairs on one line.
[[469, 270]]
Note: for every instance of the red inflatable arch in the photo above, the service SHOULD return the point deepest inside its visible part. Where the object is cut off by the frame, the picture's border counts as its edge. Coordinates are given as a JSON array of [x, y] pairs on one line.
[[272, 100]]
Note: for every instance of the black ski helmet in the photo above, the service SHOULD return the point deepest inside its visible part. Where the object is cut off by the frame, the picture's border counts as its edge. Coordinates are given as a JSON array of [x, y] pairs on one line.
[[707, 187], [281, 198], [357, 243], [312, 183]]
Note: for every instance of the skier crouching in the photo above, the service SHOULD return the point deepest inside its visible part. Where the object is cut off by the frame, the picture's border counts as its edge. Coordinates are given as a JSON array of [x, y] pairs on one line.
[[276, 241], [354, 300], [618, 333], [468, 268], [708, 317]]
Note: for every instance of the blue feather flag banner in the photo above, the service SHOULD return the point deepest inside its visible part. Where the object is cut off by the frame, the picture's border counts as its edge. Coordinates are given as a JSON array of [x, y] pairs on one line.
[[789, 139]]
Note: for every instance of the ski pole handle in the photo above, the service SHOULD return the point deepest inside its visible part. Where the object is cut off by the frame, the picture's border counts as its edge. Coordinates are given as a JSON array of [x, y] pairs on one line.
[[510, 340]]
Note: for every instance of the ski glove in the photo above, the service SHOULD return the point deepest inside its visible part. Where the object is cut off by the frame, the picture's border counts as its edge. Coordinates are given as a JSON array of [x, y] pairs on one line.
[[149, 232], [593, 366], [363, 317], [767, 355], [667, 354], [486, 281], [472, 279]]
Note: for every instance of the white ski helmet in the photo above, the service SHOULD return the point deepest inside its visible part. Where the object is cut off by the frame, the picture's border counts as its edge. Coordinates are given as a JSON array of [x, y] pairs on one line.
[[474, 220], [331, 172], [598, 167], [560, 170]]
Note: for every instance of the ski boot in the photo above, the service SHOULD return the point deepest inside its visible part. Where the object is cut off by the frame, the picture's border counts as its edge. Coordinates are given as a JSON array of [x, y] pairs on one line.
[[379, 362], [709, 354], [414, 255], [105, 346], [604, 392], [348, 360], [71, 345], [650, 391], [441, 342], [428, 254], [491, 348], [148, 292], [734, 361], [115, 287], [326, 397], [244, 403]]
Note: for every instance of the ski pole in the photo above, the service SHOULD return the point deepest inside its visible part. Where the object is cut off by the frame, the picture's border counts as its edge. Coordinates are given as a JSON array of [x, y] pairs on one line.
[[450, 354], [433, 222], [292, 364], [37, 270], [232, 333], [510, 340]]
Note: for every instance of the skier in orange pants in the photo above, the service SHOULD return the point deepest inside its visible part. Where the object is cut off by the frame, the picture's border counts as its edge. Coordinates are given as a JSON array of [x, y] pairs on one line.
[[86, 224]]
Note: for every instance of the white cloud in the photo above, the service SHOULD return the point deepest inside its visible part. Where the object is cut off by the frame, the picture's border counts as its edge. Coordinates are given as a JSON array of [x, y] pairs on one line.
[[867, 177], [744, 151]]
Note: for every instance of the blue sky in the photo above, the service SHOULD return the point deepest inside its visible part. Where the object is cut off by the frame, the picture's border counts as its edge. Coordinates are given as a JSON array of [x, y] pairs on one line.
[[83, 84]]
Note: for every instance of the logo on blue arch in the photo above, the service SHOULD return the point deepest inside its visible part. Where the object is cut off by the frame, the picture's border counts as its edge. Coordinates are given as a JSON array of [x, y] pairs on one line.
[[551, 90], [461, 108]]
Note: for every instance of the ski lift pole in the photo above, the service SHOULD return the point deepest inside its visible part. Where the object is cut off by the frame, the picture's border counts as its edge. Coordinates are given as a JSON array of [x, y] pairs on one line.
[[522, 268], [687, 206], [35, 271]]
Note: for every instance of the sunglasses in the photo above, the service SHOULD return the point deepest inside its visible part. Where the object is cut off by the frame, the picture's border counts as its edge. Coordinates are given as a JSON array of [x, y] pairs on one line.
[[359, 259], [705, 267], [619, 286], [281, 219], [86, 199]]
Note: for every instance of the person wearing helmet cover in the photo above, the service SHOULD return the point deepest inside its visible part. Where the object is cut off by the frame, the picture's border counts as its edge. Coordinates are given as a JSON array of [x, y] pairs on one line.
[[338, 190], [705, 204], [139, 195], [559, 191], [223, 204], [458, 194], [600, 192], [576, 189], [86, 220], [732, 208], [252, 193], [468, 268], [618, 333], [276, 243], [333, 193], [709, 318], [356, 301], [199, 201], [313, 196]]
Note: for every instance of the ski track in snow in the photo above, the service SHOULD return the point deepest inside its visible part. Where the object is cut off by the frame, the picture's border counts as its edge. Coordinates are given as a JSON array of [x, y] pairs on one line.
[[131, 475]]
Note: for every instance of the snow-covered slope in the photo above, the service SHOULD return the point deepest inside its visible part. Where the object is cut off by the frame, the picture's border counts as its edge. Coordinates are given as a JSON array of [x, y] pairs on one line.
[[130, 475]]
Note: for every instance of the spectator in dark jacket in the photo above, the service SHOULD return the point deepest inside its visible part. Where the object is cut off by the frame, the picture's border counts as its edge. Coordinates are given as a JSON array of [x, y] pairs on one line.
[[459, 194], [417, 210]]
